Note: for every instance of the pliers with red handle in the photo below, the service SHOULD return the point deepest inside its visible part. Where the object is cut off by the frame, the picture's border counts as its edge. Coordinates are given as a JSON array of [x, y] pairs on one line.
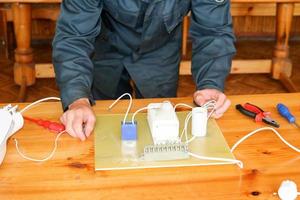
[[257, 113]]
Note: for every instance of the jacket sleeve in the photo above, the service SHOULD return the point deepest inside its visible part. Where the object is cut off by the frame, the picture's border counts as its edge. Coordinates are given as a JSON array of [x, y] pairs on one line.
[[77, 27], [213, 42]]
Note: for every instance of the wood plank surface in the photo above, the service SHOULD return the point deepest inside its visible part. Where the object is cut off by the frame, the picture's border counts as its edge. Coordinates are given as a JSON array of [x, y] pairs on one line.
[[46, 70], [70, 174], [253, 66]]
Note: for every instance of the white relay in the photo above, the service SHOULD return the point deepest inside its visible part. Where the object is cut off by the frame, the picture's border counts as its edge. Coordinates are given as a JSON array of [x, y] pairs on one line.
[[163, 123]]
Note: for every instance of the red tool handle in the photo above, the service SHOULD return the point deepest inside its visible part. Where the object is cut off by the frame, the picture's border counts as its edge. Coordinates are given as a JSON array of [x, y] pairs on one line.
[[260, 113], [52, 126], [253, 108]]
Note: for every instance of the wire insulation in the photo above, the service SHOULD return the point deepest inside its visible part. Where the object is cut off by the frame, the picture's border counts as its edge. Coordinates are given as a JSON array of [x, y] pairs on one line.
[[35, 159], [37, 102], [182, 104], [234, 161], [264, 129], [129, 106], [208, 105], [136, 112]]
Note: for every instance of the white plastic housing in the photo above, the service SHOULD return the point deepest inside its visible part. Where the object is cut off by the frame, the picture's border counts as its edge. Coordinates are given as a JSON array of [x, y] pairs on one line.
[[199, 121], [11, 122], [163, 122]]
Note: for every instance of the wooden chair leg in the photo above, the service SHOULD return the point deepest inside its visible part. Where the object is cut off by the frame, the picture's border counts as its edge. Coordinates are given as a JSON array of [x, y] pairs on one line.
[[3, 36], [23, 89], [185, 33], [281, 64]]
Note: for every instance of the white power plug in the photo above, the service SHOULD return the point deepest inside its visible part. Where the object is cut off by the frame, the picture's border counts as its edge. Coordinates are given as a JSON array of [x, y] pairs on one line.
[[11, 122], [288, 190]]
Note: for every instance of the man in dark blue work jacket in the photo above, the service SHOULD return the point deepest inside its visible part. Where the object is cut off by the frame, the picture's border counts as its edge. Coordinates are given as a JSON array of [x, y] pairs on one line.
[[100, 45]]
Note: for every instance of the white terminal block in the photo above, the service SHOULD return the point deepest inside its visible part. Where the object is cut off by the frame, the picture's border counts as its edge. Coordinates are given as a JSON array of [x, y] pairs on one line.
[[199, 121], [11, 122], [163, 123]]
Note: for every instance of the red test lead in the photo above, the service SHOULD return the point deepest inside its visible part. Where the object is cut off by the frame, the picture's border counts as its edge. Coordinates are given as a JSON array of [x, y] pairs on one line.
[[52, 126]]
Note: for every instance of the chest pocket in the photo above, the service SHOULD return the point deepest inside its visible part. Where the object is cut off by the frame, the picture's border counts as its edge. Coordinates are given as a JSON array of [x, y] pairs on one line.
[[174, 12], [124, 12]]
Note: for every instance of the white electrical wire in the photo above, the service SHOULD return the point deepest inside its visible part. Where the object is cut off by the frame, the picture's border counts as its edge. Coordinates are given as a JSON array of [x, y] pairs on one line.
[[263, 129], [129, 106], [190, 140], [38, 101], [186, 123], [39, 160], [208, 105], [234, 161], [136, 112], [182, 104]]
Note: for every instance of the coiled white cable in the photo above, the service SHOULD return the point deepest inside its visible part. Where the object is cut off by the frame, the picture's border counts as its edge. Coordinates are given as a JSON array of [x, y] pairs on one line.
[[56, 139], [210, 105]]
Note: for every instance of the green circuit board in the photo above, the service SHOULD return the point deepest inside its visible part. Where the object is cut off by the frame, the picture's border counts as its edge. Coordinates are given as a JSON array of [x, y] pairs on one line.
[[111, 153]]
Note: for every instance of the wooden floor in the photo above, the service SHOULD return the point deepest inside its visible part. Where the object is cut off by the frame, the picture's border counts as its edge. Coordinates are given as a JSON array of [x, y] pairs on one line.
[[236, 84]]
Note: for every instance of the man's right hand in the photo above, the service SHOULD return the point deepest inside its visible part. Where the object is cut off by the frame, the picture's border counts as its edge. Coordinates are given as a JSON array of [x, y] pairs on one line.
[[79, 119]]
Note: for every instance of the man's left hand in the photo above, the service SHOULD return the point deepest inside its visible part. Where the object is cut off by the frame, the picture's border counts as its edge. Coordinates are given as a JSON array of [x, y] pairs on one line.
[[205, 95]]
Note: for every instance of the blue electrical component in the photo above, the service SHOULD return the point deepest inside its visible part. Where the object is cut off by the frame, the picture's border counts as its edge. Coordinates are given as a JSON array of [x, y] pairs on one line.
[[128, 131]]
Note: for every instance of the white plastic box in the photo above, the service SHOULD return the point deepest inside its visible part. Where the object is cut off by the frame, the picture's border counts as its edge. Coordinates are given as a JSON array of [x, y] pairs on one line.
[[163, 123]]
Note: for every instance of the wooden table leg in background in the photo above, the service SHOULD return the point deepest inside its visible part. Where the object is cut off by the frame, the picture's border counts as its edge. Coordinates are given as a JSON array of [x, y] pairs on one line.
[[24, 71], [3, 36], [281, 64]]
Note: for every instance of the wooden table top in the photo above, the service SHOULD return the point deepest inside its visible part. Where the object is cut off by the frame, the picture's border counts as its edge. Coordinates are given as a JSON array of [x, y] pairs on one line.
[[70, 173]]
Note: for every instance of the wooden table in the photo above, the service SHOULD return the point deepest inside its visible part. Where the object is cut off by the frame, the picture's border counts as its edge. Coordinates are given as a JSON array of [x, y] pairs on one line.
[[279, 66], [70, 173]]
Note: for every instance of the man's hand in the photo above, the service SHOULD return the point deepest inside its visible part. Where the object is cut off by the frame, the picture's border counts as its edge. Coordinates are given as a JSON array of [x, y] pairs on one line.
[[79, 119], [205, 95]]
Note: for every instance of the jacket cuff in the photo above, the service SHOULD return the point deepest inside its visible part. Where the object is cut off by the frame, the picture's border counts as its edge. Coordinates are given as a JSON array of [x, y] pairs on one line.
[[209, 86], [68, 96]]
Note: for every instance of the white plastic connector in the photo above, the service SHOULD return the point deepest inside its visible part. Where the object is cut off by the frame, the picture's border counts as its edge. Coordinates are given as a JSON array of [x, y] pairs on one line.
[[163, 122], [288, 190], [199, 121], [11, 122]]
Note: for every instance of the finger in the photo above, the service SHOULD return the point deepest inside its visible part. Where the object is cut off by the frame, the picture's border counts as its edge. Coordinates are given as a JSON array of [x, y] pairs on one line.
[[90, 125], [78, 127], [220, 101], [63, 119], [69, 122], [217, 116], [224, 107], [200, 99]]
